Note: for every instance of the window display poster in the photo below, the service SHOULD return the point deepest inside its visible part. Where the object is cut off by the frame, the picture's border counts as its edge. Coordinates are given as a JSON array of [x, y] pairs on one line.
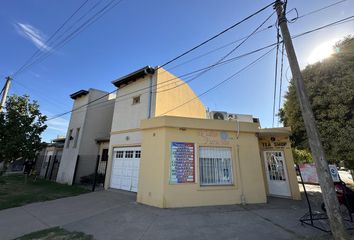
[[182, 163]]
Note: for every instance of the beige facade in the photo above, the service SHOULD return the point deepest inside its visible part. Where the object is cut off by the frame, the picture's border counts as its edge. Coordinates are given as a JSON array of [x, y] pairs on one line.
[[248, 172], [163, 147], [87, 123], [158, 92]]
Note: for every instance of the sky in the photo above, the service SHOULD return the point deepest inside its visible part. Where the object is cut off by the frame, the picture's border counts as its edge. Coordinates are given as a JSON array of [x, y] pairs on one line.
[[137, 33]]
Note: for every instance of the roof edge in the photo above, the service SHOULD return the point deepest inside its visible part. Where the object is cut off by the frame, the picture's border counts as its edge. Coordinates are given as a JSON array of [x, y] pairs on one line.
[[140, 73], [79, 94]]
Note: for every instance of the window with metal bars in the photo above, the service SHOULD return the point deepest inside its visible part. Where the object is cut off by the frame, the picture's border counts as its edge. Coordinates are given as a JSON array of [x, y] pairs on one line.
[[215, 166]]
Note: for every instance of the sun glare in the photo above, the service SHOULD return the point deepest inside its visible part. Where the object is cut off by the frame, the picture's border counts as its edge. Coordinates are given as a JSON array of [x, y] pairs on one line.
[[322, 51]]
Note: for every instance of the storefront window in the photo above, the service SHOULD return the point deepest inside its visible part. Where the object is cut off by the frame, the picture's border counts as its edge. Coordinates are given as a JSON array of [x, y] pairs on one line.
[[215, 166]]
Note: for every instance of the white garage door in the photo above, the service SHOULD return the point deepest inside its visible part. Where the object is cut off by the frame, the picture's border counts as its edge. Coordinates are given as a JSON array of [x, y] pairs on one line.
[[125, 168]]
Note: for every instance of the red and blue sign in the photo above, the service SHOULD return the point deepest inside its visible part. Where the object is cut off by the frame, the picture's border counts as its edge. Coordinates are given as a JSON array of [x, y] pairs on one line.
[[182, 163]]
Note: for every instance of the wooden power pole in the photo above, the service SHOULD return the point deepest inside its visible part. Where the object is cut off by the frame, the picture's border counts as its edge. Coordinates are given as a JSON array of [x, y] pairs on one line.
[[328, 192], [5, 92]]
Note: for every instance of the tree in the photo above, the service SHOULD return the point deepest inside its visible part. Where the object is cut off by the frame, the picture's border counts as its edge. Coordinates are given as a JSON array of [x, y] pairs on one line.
[[302, 156], [330, 87], [21, 125]]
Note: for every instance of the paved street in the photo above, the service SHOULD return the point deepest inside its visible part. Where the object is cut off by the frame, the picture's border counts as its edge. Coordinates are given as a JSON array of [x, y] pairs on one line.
[[116, 215]]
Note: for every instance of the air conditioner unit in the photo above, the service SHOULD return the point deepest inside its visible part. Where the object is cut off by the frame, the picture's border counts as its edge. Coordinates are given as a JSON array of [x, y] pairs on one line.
[[231, 116], [218, 115]]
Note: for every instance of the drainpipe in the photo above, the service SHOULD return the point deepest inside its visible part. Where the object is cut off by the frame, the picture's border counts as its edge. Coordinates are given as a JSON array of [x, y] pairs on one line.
[[243, 199], [150, 97]]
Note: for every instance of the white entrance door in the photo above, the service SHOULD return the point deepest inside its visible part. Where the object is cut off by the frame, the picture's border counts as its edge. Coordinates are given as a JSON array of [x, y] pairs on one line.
[[125, 168], [277, 175]]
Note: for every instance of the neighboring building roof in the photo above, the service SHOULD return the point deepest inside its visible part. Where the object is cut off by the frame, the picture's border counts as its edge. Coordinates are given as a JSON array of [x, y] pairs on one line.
[[267, 132], [79, 94], [59, 140], [133, 76]]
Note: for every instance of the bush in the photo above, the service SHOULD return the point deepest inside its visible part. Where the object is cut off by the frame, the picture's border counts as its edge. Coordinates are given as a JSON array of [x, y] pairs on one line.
[[302, 156]]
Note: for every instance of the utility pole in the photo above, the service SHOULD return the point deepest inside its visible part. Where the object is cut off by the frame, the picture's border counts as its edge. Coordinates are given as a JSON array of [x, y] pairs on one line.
[[5, 92], [328, 192]]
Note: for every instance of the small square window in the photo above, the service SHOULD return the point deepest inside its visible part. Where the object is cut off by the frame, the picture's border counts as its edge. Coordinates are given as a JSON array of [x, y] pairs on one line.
[[119, 154], [136, 100], [137, 154], [129, 154]]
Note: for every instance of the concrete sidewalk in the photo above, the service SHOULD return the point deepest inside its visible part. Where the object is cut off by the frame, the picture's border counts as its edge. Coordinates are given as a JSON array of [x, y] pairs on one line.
[[116, 215]]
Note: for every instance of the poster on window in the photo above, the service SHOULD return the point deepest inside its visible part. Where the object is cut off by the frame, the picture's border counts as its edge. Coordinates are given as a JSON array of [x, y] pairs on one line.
[[182, 163]]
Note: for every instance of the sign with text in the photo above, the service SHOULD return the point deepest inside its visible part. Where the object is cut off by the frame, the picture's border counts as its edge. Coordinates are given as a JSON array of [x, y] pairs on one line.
[[309, 173], [182, 163]]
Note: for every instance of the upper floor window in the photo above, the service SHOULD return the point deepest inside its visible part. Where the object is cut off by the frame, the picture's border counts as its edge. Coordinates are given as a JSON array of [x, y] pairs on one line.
[[76, 137], [69, 138], [136, 100]]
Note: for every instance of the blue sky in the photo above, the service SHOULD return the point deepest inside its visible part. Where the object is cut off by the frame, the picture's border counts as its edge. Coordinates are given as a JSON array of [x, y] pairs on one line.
[[138, 33]]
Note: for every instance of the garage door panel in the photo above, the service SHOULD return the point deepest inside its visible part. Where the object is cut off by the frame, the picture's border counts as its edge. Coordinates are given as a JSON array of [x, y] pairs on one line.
[[125, 170]]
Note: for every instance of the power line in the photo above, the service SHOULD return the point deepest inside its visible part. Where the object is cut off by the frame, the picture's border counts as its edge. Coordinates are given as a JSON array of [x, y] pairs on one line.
[[225, 56], [39, 60], [90, 21], [75, 32], [217, 35], [145, 88], [53, 35], [266, 28], [216, 49], [281, 75], [219, 84], [275, 74], [320, 9], [204, 70], [344, 20], [43, 96]]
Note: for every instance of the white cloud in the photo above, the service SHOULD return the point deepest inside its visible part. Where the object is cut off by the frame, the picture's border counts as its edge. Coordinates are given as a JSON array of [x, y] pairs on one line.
[[33, 34], [58, 124]]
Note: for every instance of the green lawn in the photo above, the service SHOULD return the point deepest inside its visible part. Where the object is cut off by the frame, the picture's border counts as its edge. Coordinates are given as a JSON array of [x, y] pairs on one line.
[[55, 234], [14, 192]]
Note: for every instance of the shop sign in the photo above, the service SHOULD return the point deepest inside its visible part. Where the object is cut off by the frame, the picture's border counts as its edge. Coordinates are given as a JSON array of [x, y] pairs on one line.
[[215, 138], [273, 144], [182, 163]]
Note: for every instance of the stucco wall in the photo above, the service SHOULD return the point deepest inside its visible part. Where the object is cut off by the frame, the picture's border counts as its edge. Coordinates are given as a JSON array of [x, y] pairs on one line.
[[172, 92], [154, 187], [68, 161], [94, 121], [126, 114], [97, 124]]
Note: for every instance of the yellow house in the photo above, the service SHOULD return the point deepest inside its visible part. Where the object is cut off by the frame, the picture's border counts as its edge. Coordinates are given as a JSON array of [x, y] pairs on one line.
[[163, 146], [197, 162], [143, 94]]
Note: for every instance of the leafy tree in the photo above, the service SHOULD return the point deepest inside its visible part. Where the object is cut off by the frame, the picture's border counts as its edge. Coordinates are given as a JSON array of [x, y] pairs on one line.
[[330, 87], [21, 125], [302, 156]]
